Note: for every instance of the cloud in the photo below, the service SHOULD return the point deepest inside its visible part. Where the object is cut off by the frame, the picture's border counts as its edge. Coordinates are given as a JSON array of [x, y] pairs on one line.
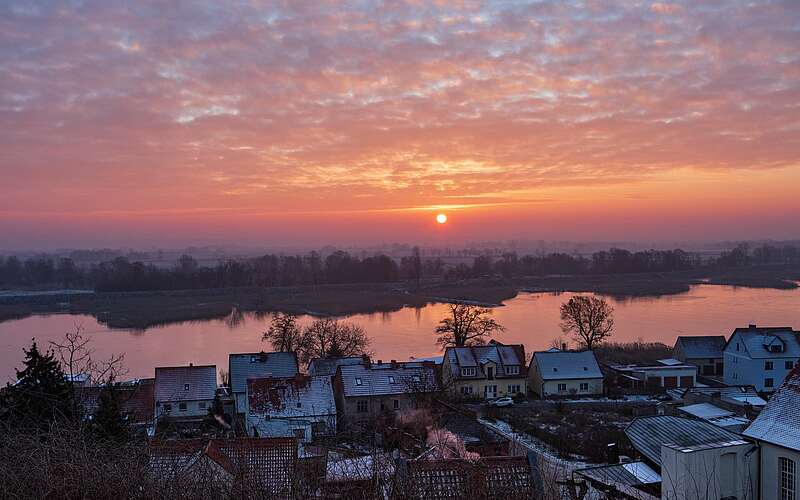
[[383, 105]]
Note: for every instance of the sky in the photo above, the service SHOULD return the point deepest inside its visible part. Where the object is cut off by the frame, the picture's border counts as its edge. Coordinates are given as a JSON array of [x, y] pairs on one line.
[[169, 123]]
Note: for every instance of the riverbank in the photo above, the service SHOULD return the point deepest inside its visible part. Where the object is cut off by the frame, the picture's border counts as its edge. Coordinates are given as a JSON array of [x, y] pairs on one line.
[[141, 310]]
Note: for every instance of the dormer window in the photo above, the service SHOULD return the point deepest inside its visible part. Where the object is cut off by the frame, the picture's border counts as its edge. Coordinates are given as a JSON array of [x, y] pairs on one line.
[[468, 372], [555, 369], [185, 387], [586, 369], [391, 379], [415, 378], [299, 404], [512, 370], [358, 381]]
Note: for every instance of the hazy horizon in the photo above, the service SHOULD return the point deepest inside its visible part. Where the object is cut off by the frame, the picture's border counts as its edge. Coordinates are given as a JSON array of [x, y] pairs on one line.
[[355, 123]]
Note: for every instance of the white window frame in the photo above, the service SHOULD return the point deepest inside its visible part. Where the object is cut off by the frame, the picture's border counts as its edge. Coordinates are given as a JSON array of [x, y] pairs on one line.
[[512, 370], [562, 387], [584, 387], [358, 381], [468, 371], [787, 479]]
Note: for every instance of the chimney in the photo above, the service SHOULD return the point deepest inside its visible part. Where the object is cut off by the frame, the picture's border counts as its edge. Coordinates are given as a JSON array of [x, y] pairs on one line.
[[395, 364], [380, 361], [191, 365], [752, 326], [563, 346], [366, 361]]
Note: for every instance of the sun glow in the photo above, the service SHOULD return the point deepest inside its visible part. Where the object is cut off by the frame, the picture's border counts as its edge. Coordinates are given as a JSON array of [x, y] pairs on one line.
[[441, 218]]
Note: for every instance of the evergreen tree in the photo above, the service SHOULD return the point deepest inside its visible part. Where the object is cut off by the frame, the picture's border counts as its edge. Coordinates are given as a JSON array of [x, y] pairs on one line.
[[109, 422], [42, 394]]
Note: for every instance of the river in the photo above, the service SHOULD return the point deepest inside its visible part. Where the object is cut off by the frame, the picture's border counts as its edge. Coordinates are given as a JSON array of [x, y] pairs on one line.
[[530, 318]]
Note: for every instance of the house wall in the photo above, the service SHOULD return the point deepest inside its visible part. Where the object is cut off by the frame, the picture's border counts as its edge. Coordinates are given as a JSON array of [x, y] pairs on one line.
[[770, 472], [478, 386], [349, 406], [703, 474], [240, 399], [709, 367], [550, 387], [260, 426], [193, 408], [657, 375], [740, 369]]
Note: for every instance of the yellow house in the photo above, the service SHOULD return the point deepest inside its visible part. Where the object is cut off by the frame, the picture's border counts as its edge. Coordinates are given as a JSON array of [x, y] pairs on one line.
[[565, 373], [489, 371]]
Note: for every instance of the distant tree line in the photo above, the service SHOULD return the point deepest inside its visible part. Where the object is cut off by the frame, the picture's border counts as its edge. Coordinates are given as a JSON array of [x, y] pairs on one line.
[[122, 274]]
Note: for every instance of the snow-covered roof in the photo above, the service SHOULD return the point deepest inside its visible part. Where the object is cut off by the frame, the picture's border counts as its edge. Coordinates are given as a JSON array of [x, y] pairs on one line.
[[757, 341], [477, 356], [560, 365], [627, 474], [386, 379], [298, 396], [778, 422], [670, 362], [359, 468], [700, 346], [328, 366], [185, 383], [705, 411], [258, 365]]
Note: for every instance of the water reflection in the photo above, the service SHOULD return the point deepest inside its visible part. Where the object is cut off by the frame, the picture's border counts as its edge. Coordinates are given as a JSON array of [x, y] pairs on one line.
[[530, 318]]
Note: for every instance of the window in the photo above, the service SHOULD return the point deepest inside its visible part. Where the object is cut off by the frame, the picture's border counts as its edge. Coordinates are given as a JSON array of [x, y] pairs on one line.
[[768, 365], [185, 387], [167, 408], [562, 387], [415, 378], [787, 478], [202, 405], [466, 390], [182, 406], [396, 404], [391, 379], [358, 381], [768, 382], [789, 365], [512, 370], [300, 433], [299, 404], [711, 360], [362, 406], [584, 387], [513, 389], [468, 372], [737, 346]]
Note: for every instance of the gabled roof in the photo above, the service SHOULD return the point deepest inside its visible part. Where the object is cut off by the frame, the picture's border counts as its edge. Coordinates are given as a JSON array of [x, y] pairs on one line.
[[299, 396], [171, 383], [778, 423], [328, 366], [489, 477], [478, 356], [259, 365], [384, 380], [755, 338], [136, 399], [648, 434], [700, 346], [561, 365]]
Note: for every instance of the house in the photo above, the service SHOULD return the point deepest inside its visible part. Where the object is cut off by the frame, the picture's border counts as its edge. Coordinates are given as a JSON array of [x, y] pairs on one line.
[[740, 399], [715, 415], [761, 356], [257, 365], [667, 373], [327, 366], [238, 468], [136, 400], [565, 373], [486, 371], [185, 391], [777, 432], [301, 406], [696, 459], [703, 351], [630, 480], [365, 391]]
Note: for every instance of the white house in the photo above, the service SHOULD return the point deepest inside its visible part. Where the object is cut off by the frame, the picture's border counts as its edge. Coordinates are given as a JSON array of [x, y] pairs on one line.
[[257, 365], [761, 356], [184, 391], [565, 373], [777, 431], [303, 407]]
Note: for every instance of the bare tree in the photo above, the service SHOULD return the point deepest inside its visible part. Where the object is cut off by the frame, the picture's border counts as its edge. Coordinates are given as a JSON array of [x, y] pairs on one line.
[[329, 338], [76, 357], [590, 320], [283, 333], [467, 325]]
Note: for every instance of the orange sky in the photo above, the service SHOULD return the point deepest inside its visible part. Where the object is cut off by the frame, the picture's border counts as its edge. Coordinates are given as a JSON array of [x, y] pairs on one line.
[[354, 122]]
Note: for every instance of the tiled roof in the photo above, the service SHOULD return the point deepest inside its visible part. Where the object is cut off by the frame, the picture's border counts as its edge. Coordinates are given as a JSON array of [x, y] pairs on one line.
[[136, 400], [700, 346], [171, 383], [648, 434], [559, 365], [477, 356], [298, 396], [328, 366], [779, 423], [489, 477], [380, 380], [754, 340], [258, 365]]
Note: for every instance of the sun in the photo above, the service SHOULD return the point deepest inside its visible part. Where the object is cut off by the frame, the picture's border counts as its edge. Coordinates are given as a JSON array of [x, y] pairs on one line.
[[441, 218]]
